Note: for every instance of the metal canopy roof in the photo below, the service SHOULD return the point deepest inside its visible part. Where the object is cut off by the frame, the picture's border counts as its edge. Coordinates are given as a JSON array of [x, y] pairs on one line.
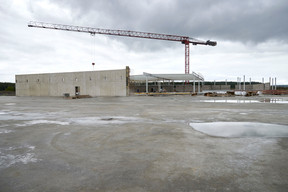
[[174, 77]]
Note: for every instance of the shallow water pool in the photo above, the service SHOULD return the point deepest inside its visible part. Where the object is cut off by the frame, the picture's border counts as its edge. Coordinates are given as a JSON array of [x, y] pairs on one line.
[[241, 129]]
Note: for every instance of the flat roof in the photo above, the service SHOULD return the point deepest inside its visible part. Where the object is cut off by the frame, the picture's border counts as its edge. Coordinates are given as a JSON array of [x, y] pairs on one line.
[[174, 77]]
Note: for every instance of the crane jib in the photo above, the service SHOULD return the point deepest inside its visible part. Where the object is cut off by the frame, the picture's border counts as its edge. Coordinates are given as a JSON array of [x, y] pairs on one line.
[[184, 39]]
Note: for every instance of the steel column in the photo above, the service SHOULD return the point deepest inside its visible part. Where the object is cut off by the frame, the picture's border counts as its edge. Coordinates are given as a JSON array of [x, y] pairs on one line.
[[146, 85], [187, 67]]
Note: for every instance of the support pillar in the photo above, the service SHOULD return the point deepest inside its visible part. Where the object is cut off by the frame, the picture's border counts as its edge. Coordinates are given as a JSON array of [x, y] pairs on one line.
[[146, 85], [187, 67], [269, 83], [239, 80], [244, 83]]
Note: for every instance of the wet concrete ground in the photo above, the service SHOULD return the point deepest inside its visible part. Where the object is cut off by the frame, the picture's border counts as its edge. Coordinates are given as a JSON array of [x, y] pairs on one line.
[[138, 144]]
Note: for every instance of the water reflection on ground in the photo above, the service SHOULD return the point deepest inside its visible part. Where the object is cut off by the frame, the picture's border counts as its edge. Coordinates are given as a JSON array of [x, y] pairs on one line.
[[241, 129], [229, 101], [274, 101], [280, 101]]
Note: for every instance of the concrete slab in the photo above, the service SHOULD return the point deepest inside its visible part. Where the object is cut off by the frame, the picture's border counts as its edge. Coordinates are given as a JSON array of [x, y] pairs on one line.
[[138, 144]]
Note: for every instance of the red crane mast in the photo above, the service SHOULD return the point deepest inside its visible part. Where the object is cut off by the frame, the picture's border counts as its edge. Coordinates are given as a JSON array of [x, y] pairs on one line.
[[183, 39]]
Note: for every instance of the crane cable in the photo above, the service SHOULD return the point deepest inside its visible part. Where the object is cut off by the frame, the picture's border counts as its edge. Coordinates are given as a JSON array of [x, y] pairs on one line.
[[93, 49]]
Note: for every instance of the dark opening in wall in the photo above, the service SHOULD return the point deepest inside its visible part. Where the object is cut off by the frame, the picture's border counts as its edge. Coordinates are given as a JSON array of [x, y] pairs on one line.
[[77, 90]]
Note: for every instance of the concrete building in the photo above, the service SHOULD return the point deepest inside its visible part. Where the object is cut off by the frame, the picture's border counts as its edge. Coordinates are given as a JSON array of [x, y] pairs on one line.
[[117, 83], [93, 83]]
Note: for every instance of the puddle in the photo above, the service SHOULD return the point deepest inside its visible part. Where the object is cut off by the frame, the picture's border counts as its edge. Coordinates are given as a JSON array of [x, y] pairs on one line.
[[104, 120], [274, 101], [5, 131], [4, 112], [241, 129], [10, 104], [229, 101], [280, 101], [35, 122], [14, 155]]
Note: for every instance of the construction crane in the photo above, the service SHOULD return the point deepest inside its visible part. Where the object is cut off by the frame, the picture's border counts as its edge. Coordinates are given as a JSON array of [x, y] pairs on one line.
[[183, 39]]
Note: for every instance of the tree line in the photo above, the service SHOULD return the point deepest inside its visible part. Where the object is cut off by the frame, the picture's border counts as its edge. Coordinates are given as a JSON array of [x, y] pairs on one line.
[[4, 86]]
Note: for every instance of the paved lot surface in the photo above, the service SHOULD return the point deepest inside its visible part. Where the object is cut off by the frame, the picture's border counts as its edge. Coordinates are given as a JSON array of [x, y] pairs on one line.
[[138, 144]]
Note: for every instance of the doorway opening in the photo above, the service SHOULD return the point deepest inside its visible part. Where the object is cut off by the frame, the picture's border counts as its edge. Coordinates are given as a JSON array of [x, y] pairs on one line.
[[77, 90]]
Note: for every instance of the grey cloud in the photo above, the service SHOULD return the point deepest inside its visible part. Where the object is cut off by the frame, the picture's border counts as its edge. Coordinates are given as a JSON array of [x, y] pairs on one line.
[[254, 29], [247, 21]]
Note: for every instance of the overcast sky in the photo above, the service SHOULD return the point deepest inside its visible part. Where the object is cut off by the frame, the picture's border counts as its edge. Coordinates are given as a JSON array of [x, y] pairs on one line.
[[252, 37]]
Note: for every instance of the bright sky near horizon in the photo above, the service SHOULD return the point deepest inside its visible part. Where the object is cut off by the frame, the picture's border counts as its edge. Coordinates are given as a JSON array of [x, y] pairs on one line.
[[252, 37]]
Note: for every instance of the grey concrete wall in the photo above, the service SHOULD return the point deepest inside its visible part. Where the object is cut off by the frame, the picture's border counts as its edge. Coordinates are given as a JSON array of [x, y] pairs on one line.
[[93, 83], [265, 86], [216, 87], [134, 88], [141, 87], [248, 87], [255, 87]]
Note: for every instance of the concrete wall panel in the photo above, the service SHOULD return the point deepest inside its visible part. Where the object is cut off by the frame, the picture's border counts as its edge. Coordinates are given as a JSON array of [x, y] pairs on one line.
[[93, 83]]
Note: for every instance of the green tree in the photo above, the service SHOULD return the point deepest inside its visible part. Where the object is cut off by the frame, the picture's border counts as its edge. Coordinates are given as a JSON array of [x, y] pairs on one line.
[[10, 88]]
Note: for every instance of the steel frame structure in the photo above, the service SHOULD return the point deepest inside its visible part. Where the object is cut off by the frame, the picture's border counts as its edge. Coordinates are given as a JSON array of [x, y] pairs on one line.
[[183, 39]]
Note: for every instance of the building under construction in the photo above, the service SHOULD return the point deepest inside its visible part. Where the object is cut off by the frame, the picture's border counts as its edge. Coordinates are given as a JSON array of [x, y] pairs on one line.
[[120, 83], [102, 83]]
